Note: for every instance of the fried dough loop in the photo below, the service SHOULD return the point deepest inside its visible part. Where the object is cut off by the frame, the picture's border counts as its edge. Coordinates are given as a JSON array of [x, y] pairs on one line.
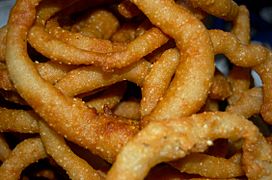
[[110, 89]]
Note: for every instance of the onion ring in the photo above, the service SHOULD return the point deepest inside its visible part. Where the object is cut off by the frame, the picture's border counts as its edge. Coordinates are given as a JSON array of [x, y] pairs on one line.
[[3, 38]]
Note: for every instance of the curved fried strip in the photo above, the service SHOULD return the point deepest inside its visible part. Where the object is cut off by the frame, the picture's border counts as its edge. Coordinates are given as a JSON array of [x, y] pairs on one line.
[[104, 135], [158, 79], [56, 147], [239, 54], [18, 121], [99, 23], [225, 9], [128, 9], [208, 166], [239, 79], [51, 72], [3, 38], [4, 149], [24, 154], [248, 104], [265, 72], [54, 48], [197, 66], [162, 141], [241, 25], [220, 89], [129, 109], [109, 98], [78, 40], [88, 78]]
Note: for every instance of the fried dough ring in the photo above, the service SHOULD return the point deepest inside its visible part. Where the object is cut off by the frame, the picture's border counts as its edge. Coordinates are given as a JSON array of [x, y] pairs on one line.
[[158, 79], [88, 78], [4, 149], [18, 121], [197, 66], [66, 115], [225, 9], [248, 104], [162, 141], [56, 147], [24, 154]]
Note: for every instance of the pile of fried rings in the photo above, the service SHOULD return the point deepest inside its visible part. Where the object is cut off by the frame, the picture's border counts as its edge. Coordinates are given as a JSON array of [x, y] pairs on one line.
[[133, 83]]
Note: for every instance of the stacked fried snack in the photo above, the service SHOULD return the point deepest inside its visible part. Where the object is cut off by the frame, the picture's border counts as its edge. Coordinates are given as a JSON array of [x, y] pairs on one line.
[[76, 64]]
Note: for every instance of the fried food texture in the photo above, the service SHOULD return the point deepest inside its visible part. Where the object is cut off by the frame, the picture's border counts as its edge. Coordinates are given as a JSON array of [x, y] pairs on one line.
[[130, 89]]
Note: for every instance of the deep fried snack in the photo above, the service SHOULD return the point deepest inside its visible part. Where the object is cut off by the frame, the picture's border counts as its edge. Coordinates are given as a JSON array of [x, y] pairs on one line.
[[50, 71], [162, 141], [225, 9], [88, 78], [241, 25], [128, 9], [24, 154], [220, 89], [109, 98], [4, 149], [129, 109], [77, 40], [239, 54], [99, 23], [18, 121], [239, 79], [69, 116], [75, 167], [248, 104], [158, 79], [53, 48], [208, 166], [197, 64], [3, 38], [265, 72]]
